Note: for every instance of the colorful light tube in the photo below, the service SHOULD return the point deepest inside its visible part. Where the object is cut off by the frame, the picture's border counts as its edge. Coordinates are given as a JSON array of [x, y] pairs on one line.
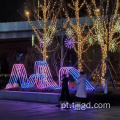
[[75, 73]]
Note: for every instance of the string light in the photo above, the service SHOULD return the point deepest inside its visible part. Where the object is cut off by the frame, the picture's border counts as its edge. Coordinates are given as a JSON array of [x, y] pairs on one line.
[[77, 30], [45, 37], [100, 23], [99, 38]]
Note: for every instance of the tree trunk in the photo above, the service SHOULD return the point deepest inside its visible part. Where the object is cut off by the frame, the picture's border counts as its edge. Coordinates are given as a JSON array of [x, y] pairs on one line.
[[44, 53], [103, 65], [80, 67]]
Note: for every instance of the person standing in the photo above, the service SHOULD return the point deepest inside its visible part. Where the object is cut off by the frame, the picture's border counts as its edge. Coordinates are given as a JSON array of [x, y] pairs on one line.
[[81, 95], [65, 90]]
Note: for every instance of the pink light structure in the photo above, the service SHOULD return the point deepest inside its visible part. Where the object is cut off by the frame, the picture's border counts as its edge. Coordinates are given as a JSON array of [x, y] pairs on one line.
[[37, 79], [70, 43], [41, 67], [75, 73], [18, 73], [42, 77]]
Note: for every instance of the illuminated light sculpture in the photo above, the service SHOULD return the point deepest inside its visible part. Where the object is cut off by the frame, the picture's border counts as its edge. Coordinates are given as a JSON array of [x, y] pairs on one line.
[[46, 17], [106, 22], [113, 46], [46, 38], [38, 80], [41, 67], [78, 29], [117, 28], [75, 73], [18, 73], [69, 32], [70, 43], [42, 77], [91, 41]]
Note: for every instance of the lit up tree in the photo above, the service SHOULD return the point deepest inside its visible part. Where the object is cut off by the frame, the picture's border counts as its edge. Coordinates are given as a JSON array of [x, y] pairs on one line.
[[106, 22], [78, 34], [46, 17]]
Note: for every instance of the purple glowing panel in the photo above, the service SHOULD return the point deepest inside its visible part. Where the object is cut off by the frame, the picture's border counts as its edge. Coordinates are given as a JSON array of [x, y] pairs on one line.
[[70, 43], [41, 67], [75, 73]]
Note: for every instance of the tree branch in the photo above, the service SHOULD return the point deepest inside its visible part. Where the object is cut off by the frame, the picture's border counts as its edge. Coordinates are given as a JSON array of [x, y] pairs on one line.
[[71, 7], [75, 50]]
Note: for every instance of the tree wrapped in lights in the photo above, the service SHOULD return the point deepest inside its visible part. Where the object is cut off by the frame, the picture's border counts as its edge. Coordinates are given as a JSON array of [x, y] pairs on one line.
[[106, 22], [46, 17], [77, 31]]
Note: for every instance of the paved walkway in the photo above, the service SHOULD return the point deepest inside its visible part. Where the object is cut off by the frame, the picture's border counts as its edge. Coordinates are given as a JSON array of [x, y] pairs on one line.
[[17, 110]]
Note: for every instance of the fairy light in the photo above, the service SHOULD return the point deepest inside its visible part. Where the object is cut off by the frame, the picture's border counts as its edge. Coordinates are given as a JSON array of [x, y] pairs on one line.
[[100, 23], [99, 38], [48, 13], [78, 30]]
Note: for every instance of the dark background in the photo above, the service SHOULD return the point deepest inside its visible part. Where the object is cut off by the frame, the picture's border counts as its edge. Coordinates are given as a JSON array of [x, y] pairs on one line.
[[9, 10], [13, 10]]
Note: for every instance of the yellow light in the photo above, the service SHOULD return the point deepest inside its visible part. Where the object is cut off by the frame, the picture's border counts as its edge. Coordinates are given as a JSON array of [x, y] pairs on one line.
[[48, 14], [27, 13], [97, 10]]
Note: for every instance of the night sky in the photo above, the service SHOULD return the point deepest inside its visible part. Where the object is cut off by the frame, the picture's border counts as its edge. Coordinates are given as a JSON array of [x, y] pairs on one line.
[[9, 10], [13, 10]]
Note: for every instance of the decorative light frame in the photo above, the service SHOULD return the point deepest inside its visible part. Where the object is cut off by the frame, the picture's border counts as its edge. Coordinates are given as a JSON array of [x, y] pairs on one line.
[[75, 73]]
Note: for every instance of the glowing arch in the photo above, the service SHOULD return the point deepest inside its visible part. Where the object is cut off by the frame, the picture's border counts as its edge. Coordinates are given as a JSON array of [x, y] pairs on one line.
[[75, 73], [41, 67]]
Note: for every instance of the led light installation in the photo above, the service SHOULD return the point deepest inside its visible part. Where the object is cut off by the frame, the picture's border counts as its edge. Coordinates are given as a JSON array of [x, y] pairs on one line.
[[38, 80], [77, 30], [75, 73], [18, 73], [70, 43], [42, 77], [46, 17], [91, 41], [69, 32], [106, 22], [41, 67]]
